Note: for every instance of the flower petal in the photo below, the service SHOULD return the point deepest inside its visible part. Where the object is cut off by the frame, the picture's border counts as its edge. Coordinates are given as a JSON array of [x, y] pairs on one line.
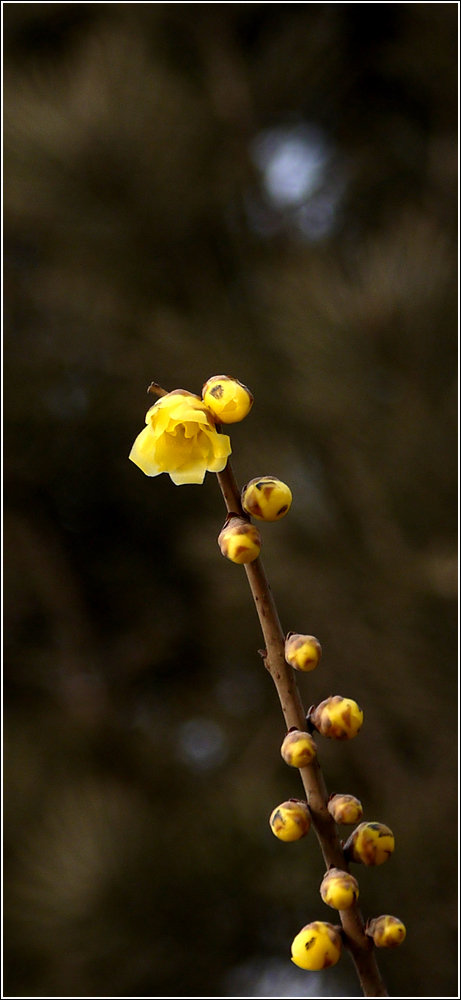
[[182, 477], [218, 460], [143, 453]]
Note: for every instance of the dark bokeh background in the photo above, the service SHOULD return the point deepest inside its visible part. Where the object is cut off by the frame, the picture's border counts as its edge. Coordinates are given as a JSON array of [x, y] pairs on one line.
[[267, 191]]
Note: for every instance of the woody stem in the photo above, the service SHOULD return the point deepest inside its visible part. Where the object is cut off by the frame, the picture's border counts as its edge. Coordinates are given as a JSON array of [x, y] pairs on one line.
[[359, 945], [156, 390]]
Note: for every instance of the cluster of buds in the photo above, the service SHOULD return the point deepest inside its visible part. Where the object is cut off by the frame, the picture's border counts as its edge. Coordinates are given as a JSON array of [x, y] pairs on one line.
[[183, 437], [318, 944], [266, 498]]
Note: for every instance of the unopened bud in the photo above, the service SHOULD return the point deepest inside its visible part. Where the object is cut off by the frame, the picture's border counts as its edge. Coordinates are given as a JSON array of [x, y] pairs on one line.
[[317, 946], [339, 889], [290, 820], [345, 808], [239, 541], [298, 748], [337, 718], [370, 844], [302, 652], [386, 931], [227, 399], [266, 498]]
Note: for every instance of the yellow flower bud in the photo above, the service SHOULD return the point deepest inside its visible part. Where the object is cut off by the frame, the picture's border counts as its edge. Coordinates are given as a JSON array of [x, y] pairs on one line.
[[180, 439], [386, 931], [345, 808], [302, 652], [298, 748], [290, 820], [339, 889], [266, 498], [370, 844], [317, 946], [337, 717], [227, 399], [239, 541]]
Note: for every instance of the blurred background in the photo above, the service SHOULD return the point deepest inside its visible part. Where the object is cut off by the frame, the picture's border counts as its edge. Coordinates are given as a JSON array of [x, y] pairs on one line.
[[267, 191]]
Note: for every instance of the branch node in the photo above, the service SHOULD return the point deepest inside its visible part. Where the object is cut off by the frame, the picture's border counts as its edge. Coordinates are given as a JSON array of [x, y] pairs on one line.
[[263, 655]]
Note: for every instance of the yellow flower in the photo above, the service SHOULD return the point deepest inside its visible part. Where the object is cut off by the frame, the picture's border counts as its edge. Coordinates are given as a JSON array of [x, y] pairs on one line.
[[180, 439]]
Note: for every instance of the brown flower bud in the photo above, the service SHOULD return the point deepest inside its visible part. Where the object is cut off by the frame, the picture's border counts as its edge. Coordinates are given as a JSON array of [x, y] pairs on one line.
[[345, 808], [302, 652], [298, 748], [239, 540], [337, 718]]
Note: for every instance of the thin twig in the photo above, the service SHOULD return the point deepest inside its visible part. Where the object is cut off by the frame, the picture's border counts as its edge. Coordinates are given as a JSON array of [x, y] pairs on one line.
[[358, 943], [156, 390]]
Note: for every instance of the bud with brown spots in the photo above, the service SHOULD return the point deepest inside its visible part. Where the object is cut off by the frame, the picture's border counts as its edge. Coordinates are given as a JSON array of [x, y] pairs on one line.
[[345, 808], [239, 540], [386, 931], [370, 844], [317, 946], [339, 889], [298, 748], [302, 652], [266, 498], [337, 718], [227, 399], [290, 820]]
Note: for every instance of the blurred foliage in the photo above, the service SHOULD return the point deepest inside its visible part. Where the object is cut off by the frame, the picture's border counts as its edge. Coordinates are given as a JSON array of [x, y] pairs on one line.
[[142, 241]]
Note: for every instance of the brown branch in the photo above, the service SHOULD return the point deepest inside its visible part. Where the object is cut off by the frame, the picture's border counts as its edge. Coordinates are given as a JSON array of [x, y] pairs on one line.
[[359, 945], [156, 390]]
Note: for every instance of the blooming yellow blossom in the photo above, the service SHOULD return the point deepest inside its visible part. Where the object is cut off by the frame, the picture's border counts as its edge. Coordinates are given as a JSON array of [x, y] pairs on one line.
[[180, 439]]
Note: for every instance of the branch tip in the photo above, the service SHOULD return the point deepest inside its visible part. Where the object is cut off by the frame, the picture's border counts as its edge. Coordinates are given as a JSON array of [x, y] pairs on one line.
[[156, 390]]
